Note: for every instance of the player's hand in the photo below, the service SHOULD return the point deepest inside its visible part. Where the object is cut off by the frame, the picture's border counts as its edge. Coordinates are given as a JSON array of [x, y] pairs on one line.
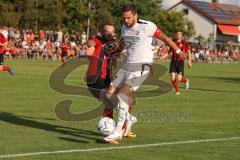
[[110, 47], [182, 55], [121, 44], [89, 51], [190, 64]]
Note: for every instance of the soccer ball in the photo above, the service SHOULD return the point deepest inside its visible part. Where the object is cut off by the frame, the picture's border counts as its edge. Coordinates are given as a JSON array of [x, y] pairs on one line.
[[106, 125]]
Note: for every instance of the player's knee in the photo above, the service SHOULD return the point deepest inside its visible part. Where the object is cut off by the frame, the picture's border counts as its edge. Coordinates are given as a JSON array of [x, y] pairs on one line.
[[173, 76], [111, 89], [113, 99], [179, 78]]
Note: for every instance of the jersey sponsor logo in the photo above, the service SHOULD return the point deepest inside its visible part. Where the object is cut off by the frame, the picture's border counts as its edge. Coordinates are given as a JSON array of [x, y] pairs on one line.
[[129, 41], [131, 38], [134, 32]]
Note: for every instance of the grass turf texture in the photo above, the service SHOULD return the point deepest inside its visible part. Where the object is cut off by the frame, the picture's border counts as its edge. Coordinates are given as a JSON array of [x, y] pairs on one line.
[[209, 110]]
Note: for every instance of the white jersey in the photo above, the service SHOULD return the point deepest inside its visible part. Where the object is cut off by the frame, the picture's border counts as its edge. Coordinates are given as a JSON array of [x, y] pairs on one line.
[[138, 41]]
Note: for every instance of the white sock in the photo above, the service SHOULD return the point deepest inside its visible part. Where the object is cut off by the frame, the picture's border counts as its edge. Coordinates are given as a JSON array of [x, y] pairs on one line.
[[123, 111]]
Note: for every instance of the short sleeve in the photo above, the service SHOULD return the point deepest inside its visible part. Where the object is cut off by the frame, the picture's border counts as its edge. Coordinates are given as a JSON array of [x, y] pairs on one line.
[[151, 28]]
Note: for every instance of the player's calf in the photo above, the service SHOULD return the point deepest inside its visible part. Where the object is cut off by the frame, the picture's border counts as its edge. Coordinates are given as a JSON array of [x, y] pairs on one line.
[[6, 68]]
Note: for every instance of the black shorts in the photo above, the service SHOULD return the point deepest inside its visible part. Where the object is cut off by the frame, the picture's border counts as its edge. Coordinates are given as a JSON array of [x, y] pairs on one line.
[[177, 67], [82, 56], [95, 88], [1, 59], [64, 54]]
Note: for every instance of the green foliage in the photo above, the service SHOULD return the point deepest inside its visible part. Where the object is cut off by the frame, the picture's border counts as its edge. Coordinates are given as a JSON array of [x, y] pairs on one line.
[[9, 13], [171, 22], [73, 15]]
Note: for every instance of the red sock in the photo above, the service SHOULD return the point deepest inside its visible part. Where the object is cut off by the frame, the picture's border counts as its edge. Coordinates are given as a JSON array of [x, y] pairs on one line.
[[175, 85], [108, 113], [63, 61], [5, 68], [184, 80]]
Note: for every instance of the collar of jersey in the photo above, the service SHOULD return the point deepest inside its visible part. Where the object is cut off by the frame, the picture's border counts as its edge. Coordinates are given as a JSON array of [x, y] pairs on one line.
[[135, 25]]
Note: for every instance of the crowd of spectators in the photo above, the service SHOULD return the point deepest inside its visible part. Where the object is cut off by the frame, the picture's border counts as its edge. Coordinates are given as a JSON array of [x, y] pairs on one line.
[[204, 54], [45, 44], [48, 45]]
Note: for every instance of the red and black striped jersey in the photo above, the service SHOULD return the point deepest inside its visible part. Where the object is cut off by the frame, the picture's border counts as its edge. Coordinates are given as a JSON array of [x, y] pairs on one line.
[[184, 46]]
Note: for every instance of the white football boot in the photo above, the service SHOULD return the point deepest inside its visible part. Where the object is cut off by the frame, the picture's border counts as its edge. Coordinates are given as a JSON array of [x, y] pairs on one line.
[[113, 138]]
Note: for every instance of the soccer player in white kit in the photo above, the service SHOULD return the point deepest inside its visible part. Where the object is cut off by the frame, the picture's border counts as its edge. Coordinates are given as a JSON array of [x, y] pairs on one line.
[[137, 36]]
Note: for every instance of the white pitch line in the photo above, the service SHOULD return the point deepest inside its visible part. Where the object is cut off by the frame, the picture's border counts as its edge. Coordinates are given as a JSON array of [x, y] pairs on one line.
[[113, 148]]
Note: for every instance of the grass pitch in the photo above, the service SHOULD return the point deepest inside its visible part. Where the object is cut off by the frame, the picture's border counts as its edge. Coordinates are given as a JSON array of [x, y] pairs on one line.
[[209, 110]]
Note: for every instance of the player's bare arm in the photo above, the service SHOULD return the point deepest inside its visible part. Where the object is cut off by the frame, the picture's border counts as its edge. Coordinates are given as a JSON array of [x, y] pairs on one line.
[[171, 44], [189, 58], [90, 48], [164, 56], [120, 45]]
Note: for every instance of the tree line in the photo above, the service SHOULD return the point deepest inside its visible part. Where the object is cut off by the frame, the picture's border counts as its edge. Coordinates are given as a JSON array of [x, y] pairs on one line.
[[75, 15]]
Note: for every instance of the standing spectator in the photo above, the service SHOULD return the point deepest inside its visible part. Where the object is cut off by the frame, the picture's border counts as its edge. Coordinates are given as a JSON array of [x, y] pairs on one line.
[[59, 36], [65, 37], [206, 54], [41, 35], [81, 51], [84, 37]]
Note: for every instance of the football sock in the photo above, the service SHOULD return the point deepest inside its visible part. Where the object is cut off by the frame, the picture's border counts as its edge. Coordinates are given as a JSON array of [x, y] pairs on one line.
[[5, 68], [63, 61], [129, 111], [184, 80], [123, 111], [175, 85], [108, 113]]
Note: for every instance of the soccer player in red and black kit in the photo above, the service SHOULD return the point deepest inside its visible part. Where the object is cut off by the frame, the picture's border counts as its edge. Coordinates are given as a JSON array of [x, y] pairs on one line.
[[65, 46], [101, 51], [177, 63], [3, 43]]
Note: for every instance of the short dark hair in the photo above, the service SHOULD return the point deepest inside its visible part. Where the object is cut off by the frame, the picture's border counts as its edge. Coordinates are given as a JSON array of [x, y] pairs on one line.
[[107, 23], [129, 7]]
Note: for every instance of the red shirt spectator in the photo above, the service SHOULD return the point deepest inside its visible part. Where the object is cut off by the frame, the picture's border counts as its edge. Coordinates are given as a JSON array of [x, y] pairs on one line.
[[2, 41]]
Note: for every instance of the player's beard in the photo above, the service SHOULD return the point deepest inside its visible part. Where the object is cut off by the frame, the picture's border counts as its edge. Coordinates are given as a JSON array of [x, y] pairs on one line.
[[107, 37], [130, 25]]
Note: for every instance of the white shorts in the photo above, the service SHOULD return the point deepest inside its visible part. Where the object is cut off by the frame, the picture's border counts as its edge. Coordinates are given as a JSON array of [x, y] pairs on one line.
[[132, 77]]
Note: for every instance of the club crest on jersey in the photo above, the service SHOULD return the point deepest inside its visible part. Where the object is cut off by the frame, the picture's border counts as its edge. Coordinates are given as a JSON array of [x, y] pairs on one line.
[[141, 31]]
